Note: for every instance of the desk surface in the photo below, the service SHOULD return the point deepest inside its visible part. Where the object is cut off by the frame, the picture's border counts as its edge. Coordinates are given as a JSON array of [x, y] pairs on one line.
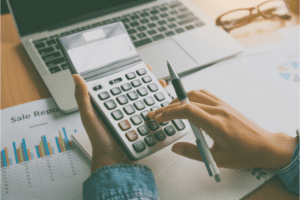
[[21, 83]]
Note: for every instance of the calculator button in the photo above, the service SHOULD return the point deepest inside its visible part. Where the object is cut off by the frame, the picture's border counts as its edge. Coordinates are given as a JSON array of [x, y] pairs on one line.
[[139, 146], [142, 91], [122, 99], [147, 79], [136, 119], [117, 114], [141, 72], [144, 115], [126, 87], [153, 125], [153, 87], [143, 130], [129, 109], [160, 135], [132, 95], [103, 95], [130, 75], [164, 104], [110, 104], [178, 123], [154, 108], [132, 135], [149, 101], [164, 123], [116, 91], [139, 105], [159, 96], [136, 83], [124, 125], [150, 140], [170, 130]]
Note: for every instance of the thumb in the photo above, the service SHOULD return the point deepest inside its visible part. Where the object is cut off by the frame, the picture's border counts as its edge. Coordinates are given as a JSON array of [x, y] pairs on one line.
[[191, 151], [187, 150]]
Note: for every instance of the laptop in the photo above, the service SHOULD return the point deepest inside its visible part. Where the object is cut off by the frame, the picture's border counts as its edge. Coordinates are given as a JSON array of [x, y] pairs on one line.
[[161, 30]]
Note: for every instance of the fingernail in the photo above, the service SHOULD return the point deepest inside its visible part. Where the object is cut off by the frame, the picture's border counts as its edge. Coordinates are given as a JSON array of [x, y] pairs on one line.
[[75, 78], [158, 117], [178, 150]]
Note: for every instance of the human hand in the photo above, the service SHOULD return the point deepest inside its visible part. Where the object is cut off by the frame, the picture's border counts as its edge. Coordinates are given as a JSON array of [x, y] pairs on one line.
[[106, 151], [238, 141]]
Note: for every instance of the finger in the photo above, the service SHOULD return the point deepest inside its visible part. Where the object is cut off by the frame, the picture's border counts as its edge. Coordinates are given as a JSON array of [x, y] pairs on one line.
[[199, 97], [191, 151], [211, 95], [163, 83], [152, 114], [150, 67], [83, 99], [190, 111]]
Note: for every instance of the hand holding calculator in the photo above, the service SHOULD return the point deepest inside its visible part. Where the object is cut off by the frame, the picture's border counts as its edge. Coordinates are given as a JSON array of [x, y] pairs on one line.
[[122, 89]]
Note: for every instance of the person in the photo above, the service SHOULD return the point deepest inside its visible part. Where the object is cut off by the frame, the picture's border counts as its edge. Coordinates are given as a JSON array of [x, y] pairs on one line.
[[238, 143]]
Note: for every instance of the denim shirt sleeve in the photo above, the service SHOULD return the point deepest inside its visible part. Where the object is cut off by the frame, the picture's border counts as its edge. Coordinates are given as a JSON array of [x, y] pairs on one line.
[[290, 174], [118, 182]]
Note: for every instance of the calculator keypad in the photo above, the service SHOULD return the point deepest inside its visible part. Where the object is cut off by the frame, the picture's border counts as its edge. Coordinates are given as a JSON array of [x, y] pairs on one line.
[[124, 125], [132, 135], [130, 75], [142, 91], [152, 87], [104, 95], [117, 114], [139, 105], [110, 104], [132, 95], [126, 87], [136, 120], [150, 140], [136, 83], [115, 91], [153, 125], [147, 79], [122, 100], [131, 109]]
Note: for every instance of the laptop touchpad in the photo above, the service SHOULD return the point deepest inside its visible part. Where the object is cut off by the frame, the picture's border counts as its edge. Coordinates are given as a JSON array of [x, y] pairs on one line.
[[157, 55]]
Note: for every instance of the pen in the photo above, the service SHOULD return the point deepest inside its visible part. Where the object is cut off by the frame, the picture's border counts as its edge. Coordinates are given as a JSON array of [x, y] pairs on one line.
[[207, 157]]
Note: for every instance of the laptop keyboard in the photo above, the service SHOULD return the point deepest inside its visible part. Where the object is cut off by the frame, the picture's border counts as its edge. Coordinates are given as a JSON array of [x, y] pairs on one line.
[[144, 27]]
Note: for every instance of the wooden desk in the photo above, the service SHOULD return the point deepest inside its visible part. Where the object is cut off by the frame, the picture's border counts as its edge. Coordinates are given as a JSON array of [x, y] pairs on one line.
[[21, 83]]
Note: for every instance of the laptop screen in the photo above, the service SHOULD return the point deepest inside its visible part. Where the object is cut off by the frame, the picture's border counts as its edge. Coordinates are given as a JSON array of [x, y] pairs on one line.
[[38, 15]]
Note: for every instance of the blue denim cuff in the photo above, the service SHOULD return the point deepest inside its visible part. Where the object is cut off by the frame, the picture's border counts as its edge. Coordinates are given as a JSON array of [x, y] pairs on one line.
[[121, 182], [290, 174]]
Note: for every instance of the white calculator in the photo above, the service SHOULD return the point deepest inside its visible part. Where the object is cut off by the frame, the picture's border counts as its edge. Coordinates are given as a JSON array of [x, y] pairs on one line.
[[122, 89]]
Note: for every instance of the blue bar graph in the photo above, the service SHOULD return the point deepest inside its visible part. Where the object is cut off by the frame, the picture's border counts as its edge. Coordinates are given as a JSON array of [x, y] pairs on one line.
[[52, 150], [46, 146], [15, 151], [31, 154], [4, 159], [10, 161], [25, 149], [37, 151], [58, 147], [66, 139], [23, 153]]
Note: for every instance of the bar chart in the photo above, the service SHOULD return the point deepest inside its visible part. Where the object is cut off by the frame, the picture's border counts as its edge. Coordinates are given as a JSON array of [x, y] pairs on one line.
[[38, 158], [5, 160]]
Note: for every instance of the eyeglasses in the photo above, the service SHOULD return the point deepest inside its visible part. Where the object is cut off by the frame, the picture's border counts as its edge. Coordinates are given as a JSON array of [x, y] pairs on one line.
[[240, 17]]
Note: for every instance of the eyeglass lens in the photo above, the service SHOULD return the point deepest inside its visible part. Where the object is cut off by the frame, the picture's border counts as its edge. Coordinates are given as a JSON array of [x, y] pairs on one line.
[[241, 17]]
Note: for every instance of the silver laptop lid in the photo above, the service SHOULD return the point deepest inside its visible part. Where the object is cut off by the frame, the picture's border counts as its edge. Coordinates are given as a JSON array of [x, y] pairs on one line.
[[32, 16]]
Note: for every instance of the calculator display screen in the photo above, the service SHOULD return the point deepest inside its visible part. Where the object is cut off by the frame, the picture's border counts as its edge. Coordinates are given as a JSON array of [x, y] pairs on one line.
[[101, 53]]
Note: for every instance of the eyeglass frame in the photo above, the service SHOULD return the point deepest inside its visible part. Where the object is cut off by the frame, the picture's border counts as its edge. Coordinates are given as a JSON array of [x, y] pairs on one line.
[[251, 17]]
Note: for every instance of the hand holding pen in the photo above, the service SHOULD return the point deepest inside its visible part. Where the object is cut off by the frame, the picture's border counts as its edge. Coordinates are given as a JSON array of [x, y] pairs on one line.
[[239, 143]]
